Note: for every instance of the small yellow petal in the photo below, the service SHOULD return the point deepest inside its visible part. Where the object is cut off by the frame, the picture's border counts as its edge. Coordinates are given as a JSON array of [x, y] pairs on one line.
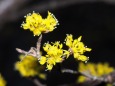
[[42, 60], [79, 39], [88, 49], [82, 58], [49, 67]]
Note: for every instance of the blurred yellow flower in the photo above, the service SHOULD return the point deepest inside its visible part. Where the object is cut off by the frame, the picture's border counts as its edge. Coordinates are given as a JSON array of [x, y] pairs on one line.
[[28, 67], [54, 54], [76, 47], [2, 81], [35, 23], [97, 70]]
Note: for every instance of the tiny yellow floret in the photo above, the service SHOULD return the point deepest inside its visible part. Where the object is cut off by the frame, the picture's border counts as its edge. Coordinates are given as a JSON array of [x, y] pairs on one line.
[[35, 23]]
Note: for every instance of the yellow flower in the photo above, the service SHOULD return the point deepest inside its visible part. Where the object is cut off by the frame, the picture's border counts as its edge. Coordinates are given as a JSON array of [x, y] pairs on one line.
[[2, 81], [76, 47], [35, 23], [54, 54], [98, 70], [28, 66]]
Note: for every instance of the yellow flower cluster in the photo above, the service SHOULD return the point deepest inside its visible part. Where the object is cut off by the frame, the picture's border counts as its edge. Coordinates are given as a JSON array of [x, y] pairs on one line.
[[35, 23], [98, 70], [29, 67], [76, 47], [2, 81], [54, 54]]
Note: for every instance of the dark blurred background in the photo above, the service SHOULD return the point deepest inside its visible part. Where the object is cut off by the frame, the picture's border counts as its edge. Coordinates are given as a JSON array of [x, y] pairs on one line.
[[93, 19]]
